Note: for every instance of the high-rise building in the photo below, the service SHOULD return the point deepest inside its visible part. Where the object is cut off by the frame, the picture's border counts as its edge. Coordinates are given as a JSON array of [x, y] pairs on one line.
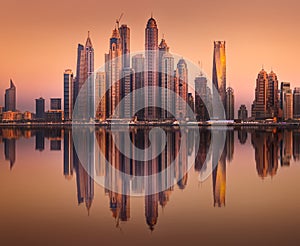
[[167, 83], [284, 86], [243, 113], [151, 70], [68, 94], [55, 103], [181, 89], [138, 63], [191, 104], [10, 98], [84, 76], [272, 94], [77, 87], [128, 86], [124, 31], [89, 50], [201, 98], [113, 69], [229, 104], [100, 96], [40, 108], [288, 105], [219, 70], [259, 106], [296, 103]]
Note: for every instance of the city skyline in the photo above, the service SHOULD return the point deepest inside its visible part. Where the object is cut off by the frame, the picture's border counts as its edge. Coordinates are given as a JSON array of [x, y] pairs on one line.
[[241, 78]]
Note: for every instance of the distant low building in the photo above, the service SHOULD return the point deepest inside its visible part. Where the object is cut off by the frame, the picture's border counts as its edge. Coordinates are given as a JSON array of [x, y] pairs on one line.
[[243, 112], [12, 116], [55, 103], [40, 108], [27, 115], [296, 103], [54, 116]]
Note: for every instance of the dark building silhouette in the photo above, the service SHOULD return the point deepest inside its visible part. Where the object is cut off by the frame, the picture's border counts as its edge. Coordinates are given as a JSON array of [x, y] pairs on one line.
[[40, 108], [10, 98]]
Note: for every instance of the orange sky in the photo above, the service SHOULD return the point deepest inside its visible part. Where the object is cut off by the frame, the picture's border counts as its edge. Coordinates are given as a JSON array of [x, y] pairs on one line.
[[39, 39]]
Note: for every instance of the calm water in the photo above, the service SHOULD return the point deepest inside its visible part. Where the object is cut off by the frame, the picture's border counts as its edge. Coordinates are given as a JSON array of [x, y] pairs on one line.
[[252, 196]]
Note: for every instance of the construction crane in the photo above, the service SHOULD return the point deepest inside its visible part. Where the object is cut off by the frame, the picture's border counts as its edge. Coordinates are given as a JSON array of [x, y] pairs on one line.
[[118, 20]]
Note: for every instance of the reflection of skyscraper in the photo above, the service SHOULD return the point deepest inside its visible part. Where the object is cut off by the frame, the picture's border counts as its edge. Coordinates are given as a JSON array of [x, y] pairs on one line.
[[68, 94], [266, 152], [10, 150], [242, 136], [219, 181], [151, 210], [296, 145], [229, 144], [202, 153], [286, 148], [55, 145], [68, 154], [151, 69], [10, 98], [219, 69], [40, 140], [181, 89]]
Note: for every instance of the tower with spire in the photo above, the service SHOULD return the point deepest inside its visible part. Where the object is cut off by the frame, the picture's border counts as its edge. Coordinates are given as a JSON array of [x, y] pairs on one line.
[[10, 98], [151, 69]]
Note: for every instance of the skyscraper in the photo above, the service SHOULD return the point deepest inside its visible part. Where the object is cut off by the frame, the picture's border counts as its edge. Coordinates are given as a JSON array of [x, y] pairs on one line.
[[100, 96], [219, 69], [89, 50], [181, 89], [151, 69], [128, 86], [68, 94], [40, 108], [288, 105], [259, 106], [166, 77], [113, 69], [10, 98], [124, 31], [55, 103], [138, 63], [242, 113], [284, 86], [84, 76], [296, 103], [229, 104], [201, 98], [272, 95]]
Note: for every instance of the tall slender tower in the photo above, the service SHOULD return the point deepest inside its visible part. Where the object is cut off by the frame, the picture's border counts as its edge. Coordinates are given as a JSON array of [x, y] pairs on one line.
[[229, 104], [219, 69], [10, 98], [100, 96], [80, 50], [125, 40], [151, 69], [89, 50], [201, 98], [272, 94], [68, 94], [113, 69], [181, 89], [138, 63]]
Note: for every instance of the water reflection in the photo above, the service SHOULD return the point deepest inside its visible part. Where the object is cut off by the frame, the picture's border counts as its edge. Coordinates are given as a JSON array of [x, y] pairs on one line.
[[272, 147]]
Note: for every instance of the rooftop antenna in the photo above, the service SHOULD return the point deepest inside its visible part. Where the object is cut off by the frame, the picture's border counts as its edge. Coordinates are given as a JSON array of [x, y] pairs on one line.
[[118, 20], [151, 14], [200, 67], [88, 34]]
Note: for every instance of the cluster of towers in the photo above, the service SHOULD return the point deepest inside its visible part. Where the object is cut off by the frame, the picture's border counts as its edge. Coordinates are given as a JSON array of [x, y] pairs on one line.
[[272, 102], [160, 87]]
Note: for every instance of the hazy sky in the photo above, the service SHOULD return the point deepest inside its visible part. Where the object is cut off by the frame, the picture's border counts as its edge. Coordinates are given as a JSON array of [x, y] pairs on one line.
[[39, 39]]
